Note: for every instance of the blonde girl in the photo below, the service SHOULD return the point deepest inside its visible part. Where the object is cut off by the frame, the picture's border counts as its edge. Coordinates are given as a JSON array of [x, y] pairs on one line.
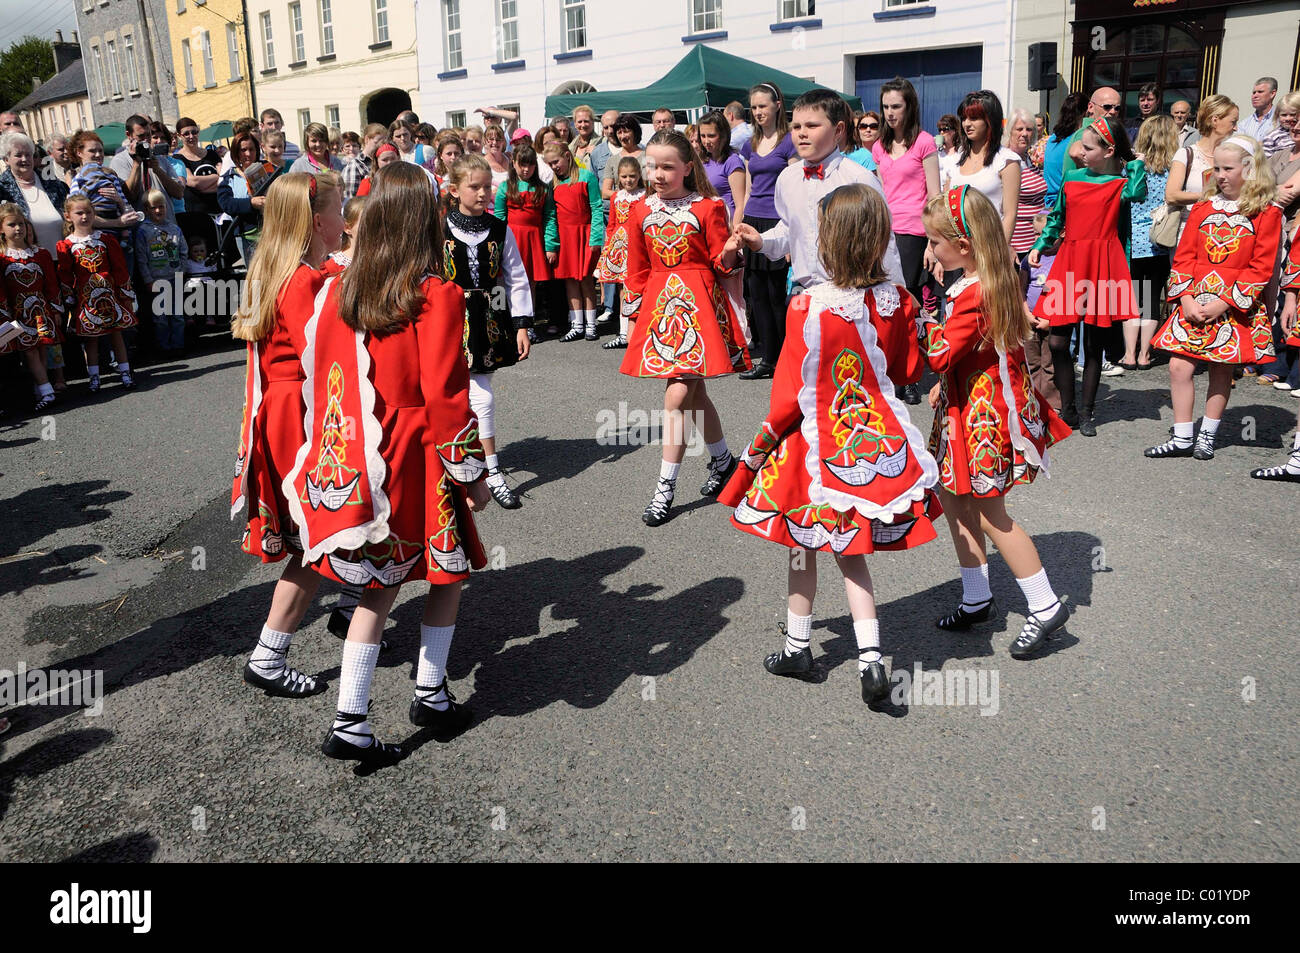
[[29, 296]]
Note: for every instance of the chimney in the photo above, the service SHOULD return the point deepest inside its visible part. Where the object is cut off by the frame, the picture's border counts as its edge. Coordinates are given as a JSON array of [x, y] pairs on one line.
[[65, 54], [36, 83]]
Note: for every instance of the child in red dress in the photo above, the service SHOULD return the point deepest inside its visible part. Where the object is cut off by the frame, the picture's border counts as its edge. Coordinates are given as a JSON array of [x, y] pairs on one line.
[[526, 204], [1221, 267], [837, 466], [991, 427], [1090, 277], [302, 212], [29, 295], [677, 250], [612, 267], [92, 272], [392, 463], [580, 221]]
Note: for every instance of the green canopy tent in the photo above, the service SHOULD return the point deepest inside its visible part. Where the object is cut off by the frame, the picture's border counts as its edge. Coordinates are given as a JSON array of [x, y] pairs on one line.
[[703, 79], [218, 130], [112, 134]]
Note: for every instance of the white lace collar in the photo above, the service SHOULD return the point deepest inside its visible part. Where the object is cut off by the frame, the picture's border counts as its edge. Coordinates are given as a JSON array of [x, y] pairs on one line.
[[1220, 204], [961, 284], [845, 302], [95, 236], [657, 202], [19, 254], [341, 257]]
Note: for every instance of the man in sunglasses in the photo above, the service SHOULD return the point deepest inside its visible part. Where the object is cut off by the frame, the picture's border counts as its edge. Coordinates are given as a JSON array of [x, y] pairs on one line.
[[1103, 105]]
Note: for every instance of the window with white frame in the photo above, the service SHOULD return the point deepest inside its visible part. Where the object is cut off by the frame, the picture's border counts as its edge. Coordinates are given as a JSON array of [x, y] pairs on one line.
[[326, 28], [67, 126], [332, 117], [268, 44], [507, 30], [232, 49], [188, 57], [381, 21], [304, 120], [575, 24], [97, 76], [706, 16], [456, 120], [180, 6], [903, 3], [205, 45], [132, 73], [296, 34], [798, 9], [114, 78], [81, 115], [451, 31]]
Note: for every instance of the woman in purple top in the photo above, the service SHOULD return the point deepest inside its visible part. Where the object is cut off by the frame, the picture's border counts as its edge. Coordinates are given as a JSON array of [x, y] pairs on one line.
[[725, 169], [767, 155]]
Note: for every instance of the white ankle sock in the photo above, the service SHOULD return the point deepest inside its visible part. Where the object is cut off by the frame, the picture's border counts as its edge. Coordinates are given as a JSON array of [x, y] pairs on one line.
[[494, 475], [1209, 425], [867, 632], [269, 653], [622, 323], [45, 390], [1183, 434], [575, 318], [123, 367], [590, 315], [668, 471], [92, 370], [1293, 461], [435, 645], [798, 632], [1038, 592], [975, 591], [355, 674], [719, 450]]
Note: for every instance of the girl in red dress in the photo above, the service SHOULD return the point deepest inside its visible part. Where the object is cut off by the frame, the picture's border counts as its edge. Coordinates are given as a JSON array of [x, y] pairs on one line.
[[612, 267], [677, 249], [837, 466], [92, 272], [1221, 267], [29, 295], [302, 221], [991, 427], [1090, 277], [336, 261], [388, 500], [526, 204], [1288, 472], [580, 221]]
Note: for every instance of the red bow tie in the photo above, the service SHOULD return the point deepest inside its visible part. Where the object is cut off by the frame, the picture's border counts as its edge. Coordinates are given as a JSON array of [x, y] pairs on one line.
[[813, 171]]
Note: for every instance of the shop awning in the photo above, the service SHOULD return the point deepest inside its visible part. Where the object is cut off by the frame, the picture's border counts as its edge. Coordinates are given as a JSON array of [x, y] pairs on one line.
[[218, 130], [703, 79], [113, 134]]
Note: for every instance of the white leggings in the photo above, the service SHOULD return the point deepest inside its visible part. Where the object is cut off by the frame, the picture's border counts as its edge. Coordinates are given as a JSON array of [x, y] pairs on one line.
[[483, 402]]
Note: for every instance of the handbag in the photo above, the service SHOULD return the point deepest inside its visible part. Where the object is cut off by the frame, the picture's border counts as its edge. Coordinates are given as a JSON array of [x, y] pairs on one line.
[[1166, 218]]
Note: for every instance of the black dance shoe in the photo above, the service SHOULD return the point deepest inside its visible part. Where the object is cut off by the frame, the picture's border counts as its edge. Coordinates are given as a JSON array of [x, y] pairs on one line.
[[1203, 448], [875, 682], [799, 665], [1071, 418], [573, 334], [911, 394], [504, 496], [290, 683], [374, 755], [1280, 474], [1087, 426], [718, 478], [760, 371], [661, 504], [1037, 631], [1169, 448], [447, 723], [961, 620]]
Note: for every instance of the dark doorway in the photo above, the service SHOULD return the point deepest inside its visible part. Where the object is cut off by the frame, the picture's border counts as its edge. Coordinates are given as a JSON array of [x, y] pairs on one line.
[[383, 105]]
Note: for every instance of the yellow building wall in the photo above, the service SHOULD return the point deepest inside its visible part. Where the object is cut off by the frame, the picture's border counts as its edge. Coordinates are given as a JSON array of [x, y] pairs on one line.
[[227, 97]]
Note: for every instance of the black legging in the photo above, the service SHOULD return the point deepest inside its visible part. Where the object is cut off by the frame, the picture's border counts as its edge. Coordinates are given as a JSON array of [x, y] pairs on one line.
[[1094, 340], [765, 296]]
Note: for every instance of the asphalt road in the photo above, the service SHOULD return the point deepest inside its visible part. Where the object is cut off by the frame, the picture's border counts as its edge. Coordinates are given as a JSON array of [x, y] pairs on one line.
[[623, 713]]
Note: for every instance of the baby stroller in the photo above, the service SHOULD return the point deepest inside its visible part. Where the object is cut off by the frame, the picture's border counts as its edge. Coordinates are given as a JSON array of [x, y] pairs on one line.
[[215, 284]]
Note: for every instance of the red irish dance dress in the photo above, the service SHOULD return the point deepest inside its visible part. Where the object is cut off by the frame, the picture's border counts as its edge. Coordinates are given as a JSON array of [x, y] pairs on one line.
[[531, 217], [271, 431], [335, 263], [383, 502], [30, 295], [838, 466], [580, 222], [1090, 276], [992, 428], [1291, 282], [691, 327], [612, 267], [93, 273], [1223, 254]]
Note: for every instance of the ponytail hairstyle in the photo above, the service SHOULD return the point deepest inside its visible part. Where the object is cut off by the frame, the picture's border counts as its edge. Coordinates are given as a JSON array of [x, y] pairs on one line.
[[1258, 187], [351, 215], [773, 92], [557, 148], [9, 211], [526, 154], [966, 213], [399, 241], [461, 169], [852, 236], [631, 162], [696, 180], [292, 202]]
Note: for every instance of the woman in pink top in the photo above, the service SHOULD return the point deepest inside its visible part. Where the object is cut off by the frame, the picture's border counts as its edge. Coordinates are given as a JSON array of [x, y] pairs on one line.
[[909, 170]]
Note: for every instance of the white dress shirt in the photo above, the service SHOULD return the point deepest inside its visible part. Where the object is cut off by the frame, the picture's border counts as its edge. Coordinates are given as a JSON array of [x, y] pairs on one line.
[[513, 275], [796, 205]]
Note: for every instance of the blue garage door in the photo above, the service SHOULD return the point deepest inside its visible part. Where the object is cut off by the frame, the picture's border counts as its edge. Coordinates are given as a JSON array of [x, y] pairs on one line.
[[941, 78]]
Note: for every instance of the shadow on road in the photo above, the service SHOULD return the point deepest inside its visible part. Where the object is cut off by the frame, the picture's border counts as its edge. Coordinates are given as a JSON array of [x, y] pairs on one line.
[[555, 460], [45, 509], [46, 756], [56, 566], [137, 848]]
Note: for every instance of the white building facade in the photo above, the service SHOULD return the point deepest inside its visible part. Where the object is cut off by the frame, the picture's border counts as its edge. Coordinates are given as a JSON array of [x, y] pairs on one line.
[[510, 53]]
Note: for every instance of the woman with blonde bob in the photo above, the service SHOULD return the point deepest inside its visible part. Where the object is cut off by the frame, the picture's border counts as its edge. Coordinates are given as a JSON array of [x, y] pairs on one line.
[[302, 223], [1157, 142], [1224, 261], [387, 500]]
